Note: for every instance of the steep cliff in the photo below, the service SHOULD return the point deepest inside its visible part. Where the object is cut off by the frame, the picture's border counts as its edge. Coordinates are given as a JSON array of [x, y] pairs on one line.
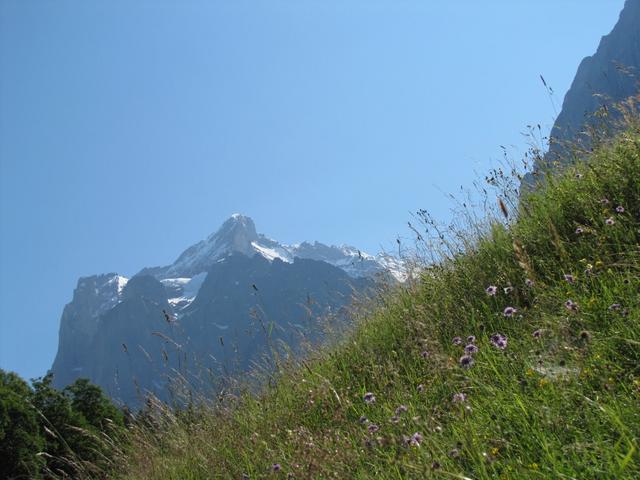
[[609, 76]]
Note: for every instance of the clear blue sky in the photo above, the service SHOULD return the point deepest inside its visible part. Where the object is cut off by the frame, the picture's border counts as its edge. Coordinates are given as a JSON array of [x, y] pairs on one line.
[[131, 129]]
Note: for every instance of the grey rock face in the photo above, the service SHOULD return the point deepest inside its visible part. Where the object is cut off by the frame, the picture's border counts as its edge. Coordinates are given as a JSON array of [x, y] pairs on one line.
[[128, 338], [93, 296], [228, 302], [609, 76]]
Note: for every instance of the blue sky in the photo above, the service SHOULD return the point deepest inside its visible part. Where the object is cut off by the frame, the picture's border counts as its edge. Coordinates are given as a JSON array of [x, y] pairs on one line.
[[130, 130]]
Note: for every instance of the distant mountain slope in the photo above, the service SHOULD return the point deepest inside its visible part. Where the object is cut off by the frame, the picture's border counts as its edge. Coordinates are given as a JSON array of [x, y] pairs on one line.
[[610, 75], [220, 306]]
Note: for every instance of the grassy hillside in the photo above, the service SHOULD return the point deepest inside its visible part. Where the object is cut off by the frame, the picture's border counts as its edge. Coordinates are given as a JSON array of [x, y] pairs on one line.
[[549, 386]]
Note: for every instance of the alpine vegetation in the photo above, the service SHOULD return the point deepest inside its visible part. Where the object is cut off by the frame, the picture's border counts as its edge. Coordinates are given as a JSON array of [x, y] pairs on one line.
[[545, 384]]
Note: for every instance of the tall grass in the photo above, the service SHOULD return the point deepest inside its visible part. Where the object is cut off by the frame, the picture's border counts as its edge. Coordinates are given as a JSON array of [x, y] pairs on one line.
[[553, 390]]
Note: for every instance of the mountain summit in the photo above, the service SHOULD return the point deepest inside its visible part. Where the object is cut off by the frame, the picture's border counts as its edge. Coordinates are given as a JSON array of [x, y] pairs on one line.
[[238, 235]]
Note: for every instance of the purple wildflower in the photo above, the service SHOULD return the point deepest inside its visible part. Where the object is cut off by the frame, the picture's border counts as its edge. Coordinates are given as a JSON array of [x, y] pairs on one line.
[[537, 333], [470, 349], [369, 398], [491, 290], [529, 283], [459, 397], [415, 439], [457, 341], [471, 339], [276, 467], [395, 419], [435, 466], [569, 278], [507, 290], [373, 428], [424, 354], [499, 340], [509, 312], [578, 176], [604, 201], [363, 419], [454, 453], [610, 221], [401, 409], [466, 361], [571, 305], [420, 388], [620, 209], [615, 306]]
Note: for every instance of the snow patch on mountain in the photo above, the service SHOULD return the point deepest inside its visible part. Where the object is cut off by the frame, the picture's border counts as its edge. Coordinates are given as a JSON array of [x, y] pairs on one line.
[[121, 282], [102, 292], [272, 252], [183, 290]]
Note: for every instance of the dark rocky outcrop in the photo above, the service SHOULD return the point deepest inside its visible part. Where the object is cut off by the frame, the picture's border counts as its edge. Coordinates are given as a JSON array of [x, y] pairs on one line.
[[609, 76]]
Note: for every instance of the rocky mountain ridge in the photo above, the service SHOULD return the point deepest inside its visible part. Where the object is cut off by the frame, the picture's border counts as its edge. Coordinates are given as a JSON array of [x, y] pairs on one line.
[[238, 235], [609, 76]]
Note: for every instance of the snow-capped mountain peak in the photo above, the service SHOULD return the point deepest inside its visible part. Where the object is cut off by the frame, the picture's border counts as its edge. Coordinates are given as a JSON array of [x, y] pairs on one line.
[[238, 235], [234, 236]]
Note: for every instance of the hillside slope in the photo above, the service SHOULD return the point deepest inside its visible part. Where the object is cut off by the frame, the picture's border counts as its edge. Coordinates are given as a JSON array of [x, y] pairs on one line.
[[517, 358]]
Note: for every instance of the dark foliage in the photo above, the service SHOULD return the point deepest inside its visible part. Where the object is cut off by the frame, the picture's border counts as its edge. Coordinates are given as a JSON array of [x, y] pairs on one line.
[[48, 433]]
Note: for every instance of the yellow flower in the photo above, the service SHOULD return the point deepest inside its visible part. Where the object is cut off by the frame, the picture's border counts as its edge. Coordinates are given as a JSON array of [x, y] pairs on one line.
[[530, 372], [533, 466], [495, 451]]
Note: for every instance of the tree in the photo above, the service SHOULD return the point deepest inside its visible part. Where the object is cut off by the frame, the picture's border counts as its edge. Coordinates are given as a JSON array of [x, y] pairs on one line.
[[20, 433], [73, 433], [66, 443], [96, 408]]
